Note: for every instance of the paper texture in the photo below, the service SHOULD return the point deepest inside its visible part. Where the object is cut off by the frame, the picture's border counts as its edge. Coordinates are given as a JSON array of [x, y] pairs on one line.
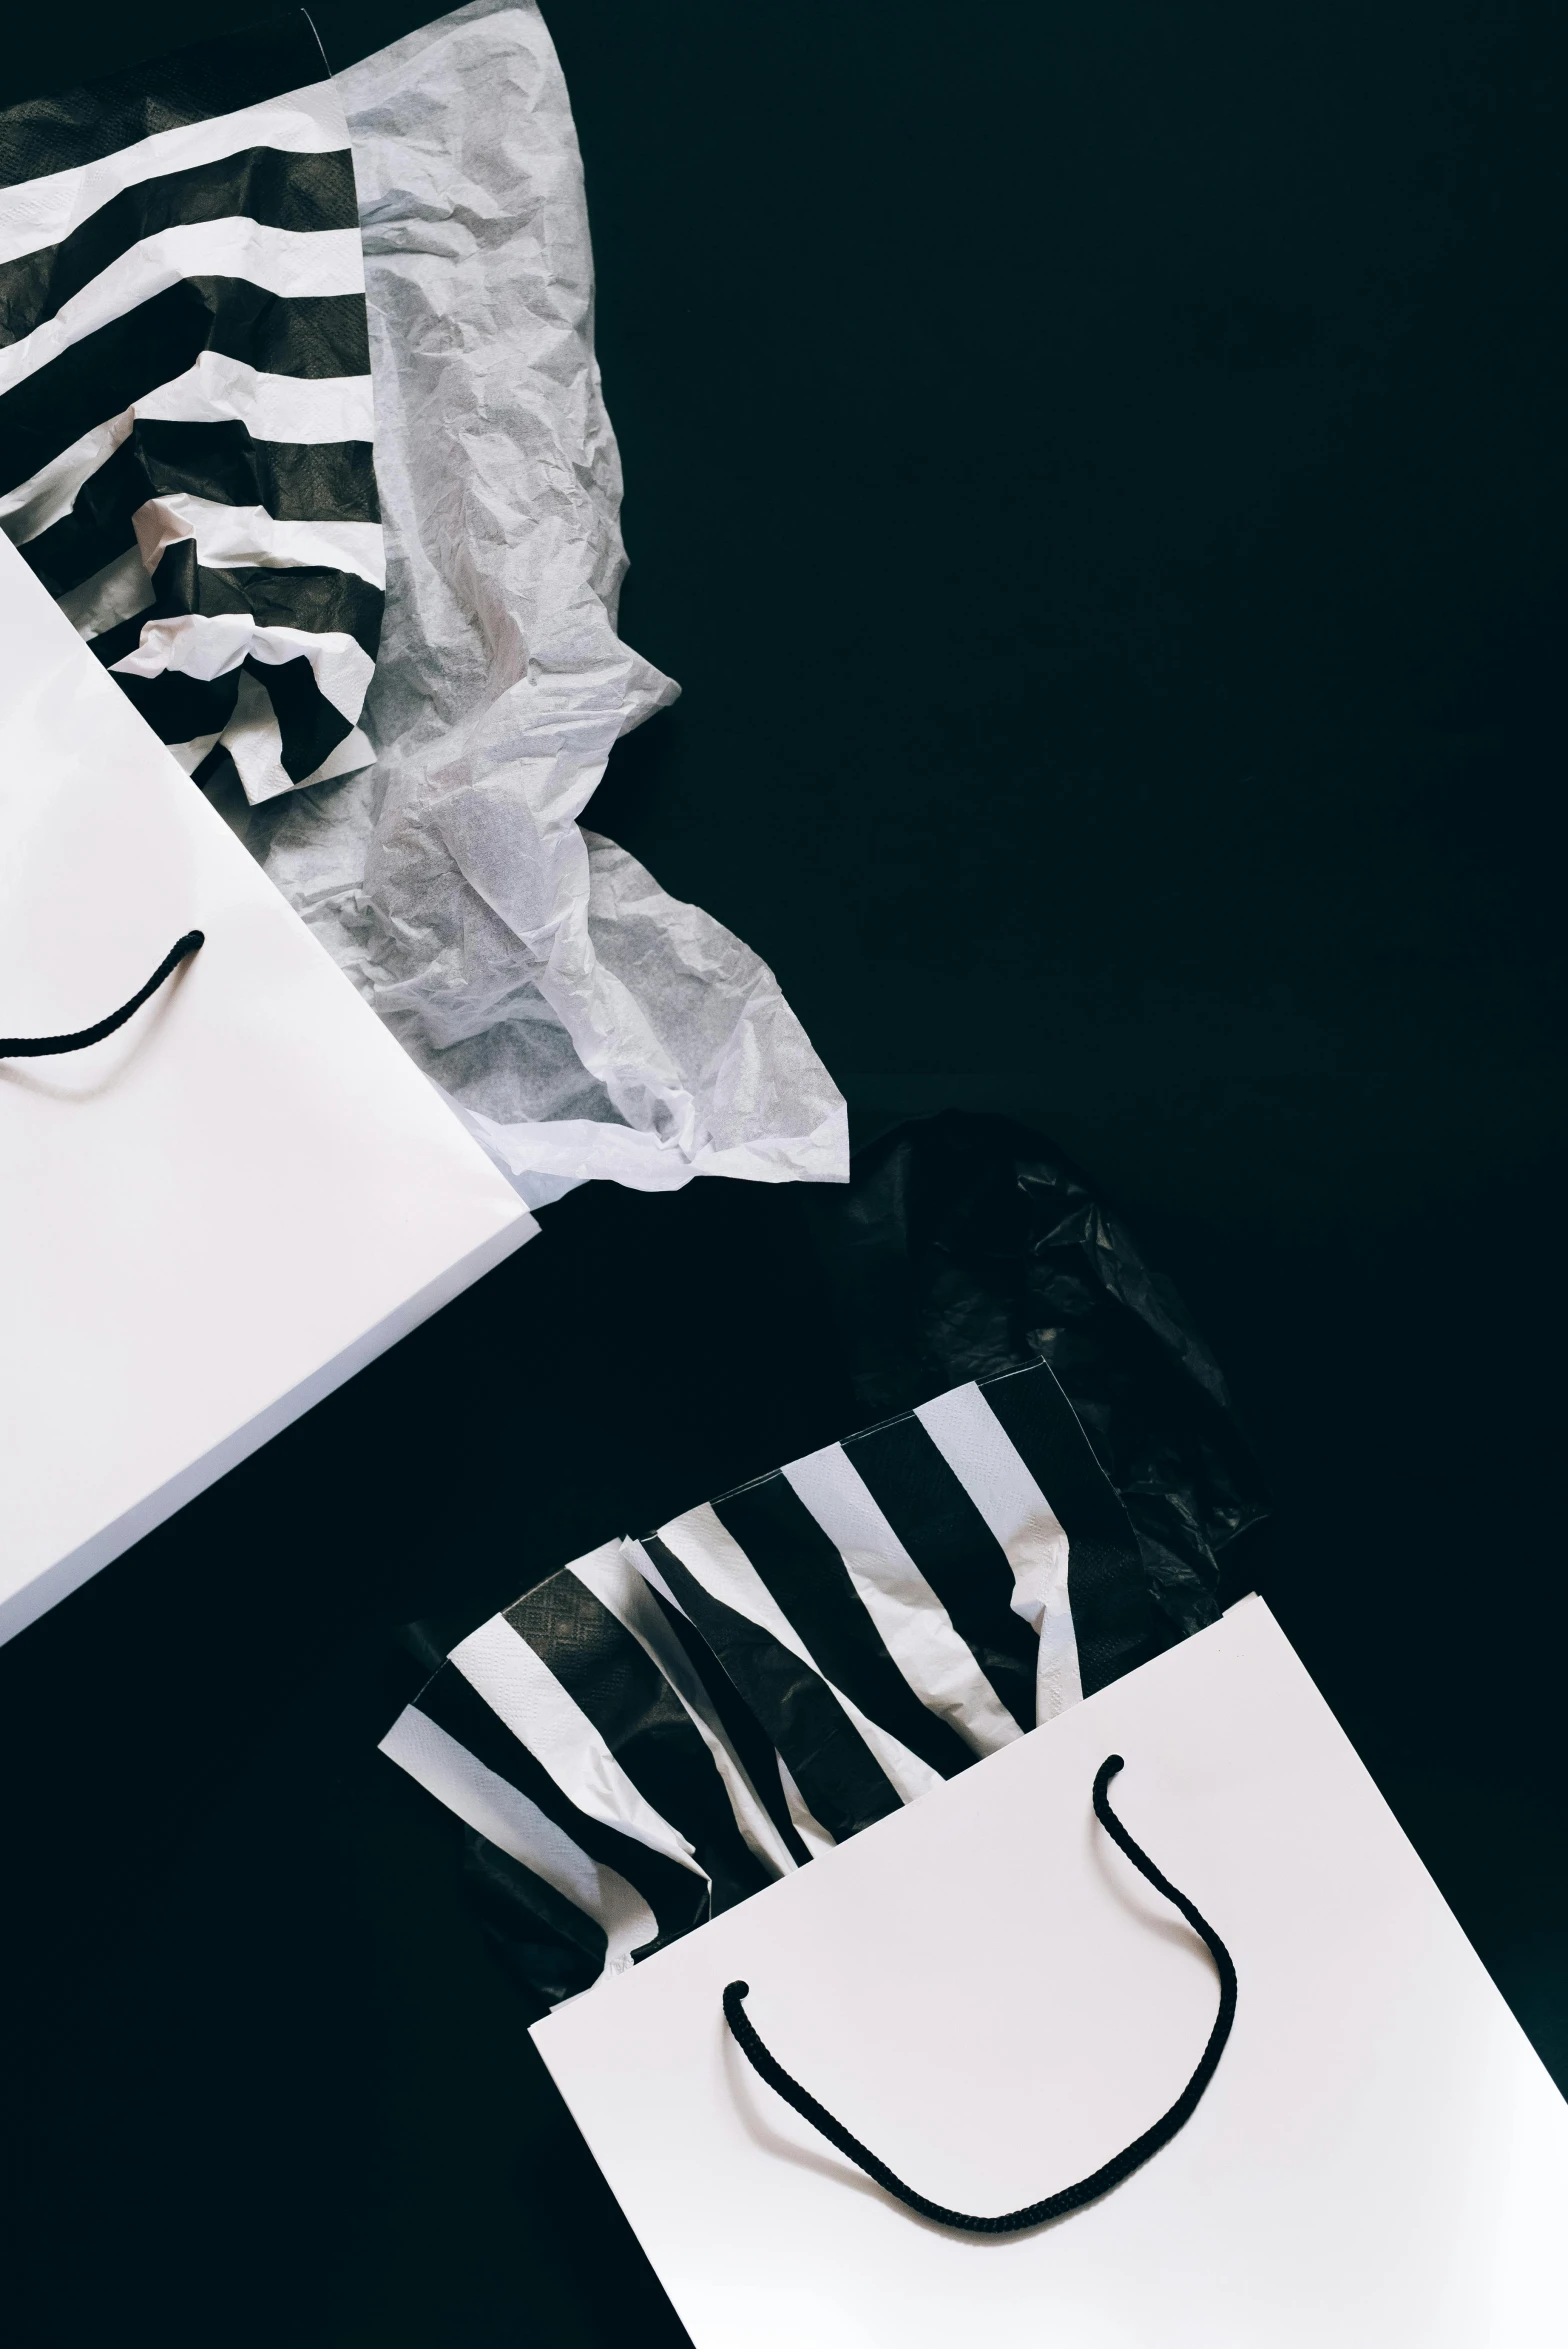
[[214, 1216], [982, 1989], [583, 1022]]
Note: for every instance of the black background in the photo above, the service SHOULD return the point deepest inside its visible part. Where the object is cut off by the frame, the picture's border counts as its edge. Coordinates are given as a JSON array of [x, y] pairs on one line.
[[1098, 472]]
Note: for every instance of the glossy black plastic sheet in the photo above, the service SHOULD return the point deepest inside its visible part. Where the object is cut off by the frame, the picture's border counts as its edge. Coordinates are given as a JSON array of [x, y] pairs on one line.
[[968, 1244]]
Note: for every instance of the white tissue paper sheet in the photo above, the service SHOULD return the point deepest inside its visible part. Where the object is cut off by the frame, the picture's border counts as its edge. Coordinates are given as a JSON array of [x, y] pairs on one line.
[[582, 1022]]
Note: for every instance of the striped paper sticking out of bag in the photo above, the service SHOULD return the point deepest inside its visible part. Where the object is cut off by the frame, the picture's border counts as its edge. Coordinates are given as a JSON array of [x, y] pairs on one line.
[[185, 397], [667, 1724]]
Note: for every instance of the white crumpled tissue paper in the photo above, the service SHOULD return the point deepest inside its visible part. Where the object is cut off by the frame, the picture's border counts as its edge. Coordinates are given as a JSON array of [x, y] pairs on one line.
[[581, 1022]]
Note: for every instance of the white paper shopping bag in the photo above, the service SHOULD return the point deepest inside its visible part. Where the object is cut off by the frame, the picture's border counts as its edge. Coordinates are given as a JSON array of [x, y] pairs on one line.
[[213, 1217], [984, 1991]]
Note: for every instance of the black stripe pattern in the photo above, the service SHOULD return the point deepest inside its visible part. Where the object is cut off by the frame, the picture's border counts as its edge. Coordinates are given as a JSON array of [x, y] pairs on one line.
[[642, 1722], [677, 1898], [766, 1675], [82, 126], [299, 192], [955, 1550], [827, 1759], [185, 401]]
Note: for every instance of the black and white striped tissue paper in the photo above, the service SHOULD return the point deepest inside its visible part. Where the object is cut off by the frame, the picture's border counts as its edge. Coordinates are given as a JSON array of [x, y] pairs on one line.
[[185, 397], [664, 1726]]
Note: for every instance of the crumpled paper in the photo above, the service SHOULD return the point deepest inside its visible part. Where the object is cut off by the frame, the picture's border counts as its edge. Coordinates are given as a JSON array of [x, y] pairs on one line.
[[582, 1022]]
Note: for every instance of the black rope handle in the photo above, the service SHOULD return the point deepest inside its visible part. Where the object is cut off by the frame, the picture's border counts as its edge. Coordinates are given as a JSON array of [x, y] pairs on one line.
[[41, 1047], [1087, 2189]]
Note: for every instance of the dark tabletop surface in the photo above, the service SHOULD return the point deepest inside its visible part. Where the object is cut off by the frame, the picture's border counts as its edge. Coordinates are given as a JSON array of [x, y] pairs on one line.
[[1098, 473]]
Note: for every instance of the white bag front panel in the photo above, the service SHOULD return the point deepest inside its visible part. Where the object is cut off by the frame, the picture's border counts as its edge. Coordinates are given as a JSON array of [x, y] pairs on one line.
[[213, 1217], [983, 1990]]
